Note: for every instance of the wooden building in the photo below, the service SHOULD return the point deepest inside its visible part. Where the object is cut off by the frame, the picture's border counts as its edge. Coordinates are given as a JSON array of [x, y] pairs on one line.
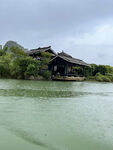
[[61, 64], [36, 53]]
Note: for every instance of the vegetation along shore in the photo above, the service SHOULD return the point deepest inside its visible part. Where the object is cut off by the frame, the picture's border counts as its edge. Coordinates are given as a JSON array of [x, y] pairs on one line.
[[44, 64]]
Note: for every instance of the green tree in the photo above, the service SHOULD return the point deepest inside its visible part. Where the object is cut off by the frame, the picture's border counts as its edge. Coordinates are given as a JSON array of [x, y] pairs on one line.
[[5, 60], [3, 51], [45, 59], [32, 70], [22, 66], [78, 71], [17, 52]]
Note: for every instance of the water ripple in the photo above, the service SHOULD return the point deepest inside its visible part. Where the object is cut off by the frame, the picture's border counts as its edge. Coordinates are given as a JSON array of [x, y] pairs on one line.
[[49, 93]]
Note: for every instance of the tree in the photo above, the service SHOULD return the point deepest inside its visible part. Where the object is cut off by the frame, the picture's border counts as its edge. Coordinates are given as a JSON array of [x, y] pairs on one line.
[[5, 60], [22, 66], [45, 59], [17, 52], [3, 51]]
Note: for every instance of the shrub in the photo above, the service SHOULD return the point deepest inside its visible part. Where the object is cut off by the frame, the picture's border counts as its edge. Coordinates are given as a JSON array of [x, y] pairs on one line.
[[78, 71], [87, 71], [103, 78], [25, 66], [32, 69], [46, 74], [96, 70]]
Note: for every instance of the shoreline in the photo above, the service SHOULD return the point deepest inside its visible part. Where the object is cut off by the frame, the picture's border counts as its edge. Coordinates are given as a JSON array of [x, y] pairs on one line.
[[86, 80]]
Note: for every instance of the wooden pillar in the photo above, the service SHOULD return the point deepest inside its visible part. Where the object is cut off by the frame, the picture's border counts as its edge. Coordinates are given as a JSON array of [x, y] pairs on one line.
[[66, 69], [52, 69]]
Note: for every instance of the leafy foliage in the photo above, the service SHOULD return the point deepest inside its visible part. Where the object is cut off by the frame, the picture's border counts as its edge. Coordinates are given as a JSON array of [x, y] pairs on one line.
[[46, 57], [103, 78], [17, 64], [99, 73], [46, 74], [78, 71]]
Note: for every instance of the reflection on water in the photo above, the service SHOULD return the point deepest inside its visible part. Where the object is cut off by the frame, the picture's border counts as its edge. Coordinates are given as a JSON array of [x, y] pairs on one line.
[[58, 115], [49, 93], [39, 93]]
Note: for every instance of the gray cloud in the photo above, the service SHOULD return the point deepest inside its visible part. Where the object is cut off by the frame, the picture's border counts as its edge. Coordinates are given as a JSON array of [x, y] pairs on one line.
[[74, 26]]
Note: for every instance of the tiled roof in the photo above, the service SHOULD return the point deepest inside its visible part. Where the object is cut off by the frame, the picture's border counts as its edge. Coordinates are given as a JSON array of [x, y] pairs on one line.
[[39, 50], [70, 59]]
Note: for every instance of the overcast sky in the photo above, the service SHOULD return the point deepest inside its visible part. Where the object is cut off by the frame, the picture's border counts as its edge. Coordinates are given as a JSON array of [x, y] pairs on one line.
[[83, 28]]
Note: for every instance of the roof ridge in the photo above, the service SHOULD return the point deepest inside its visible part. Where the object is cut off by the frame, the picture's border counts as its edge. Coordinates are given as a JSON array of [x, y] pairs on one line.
[[64, 54], [44, 47], [40, 48]]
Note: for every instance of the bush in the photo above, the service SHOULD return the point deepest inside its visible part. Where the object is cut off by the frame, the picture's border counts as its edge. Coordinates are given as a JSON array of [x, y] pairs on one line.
[[103, 78], [94, 69], [46, 74], [78, 71], [87, 71], [32, 69], [5, 66], [24, 67], [4, 70]]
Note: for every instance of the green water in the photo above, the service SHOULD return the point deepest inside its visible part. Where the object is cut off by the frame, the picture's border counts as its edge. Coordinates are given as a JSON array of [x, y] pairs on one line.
[[41, 115]]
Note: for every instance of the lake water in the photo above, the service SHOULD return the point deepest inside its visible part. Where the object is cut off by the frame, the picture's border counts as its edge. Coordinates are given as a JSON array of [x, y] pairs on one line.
[[41, 115]]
